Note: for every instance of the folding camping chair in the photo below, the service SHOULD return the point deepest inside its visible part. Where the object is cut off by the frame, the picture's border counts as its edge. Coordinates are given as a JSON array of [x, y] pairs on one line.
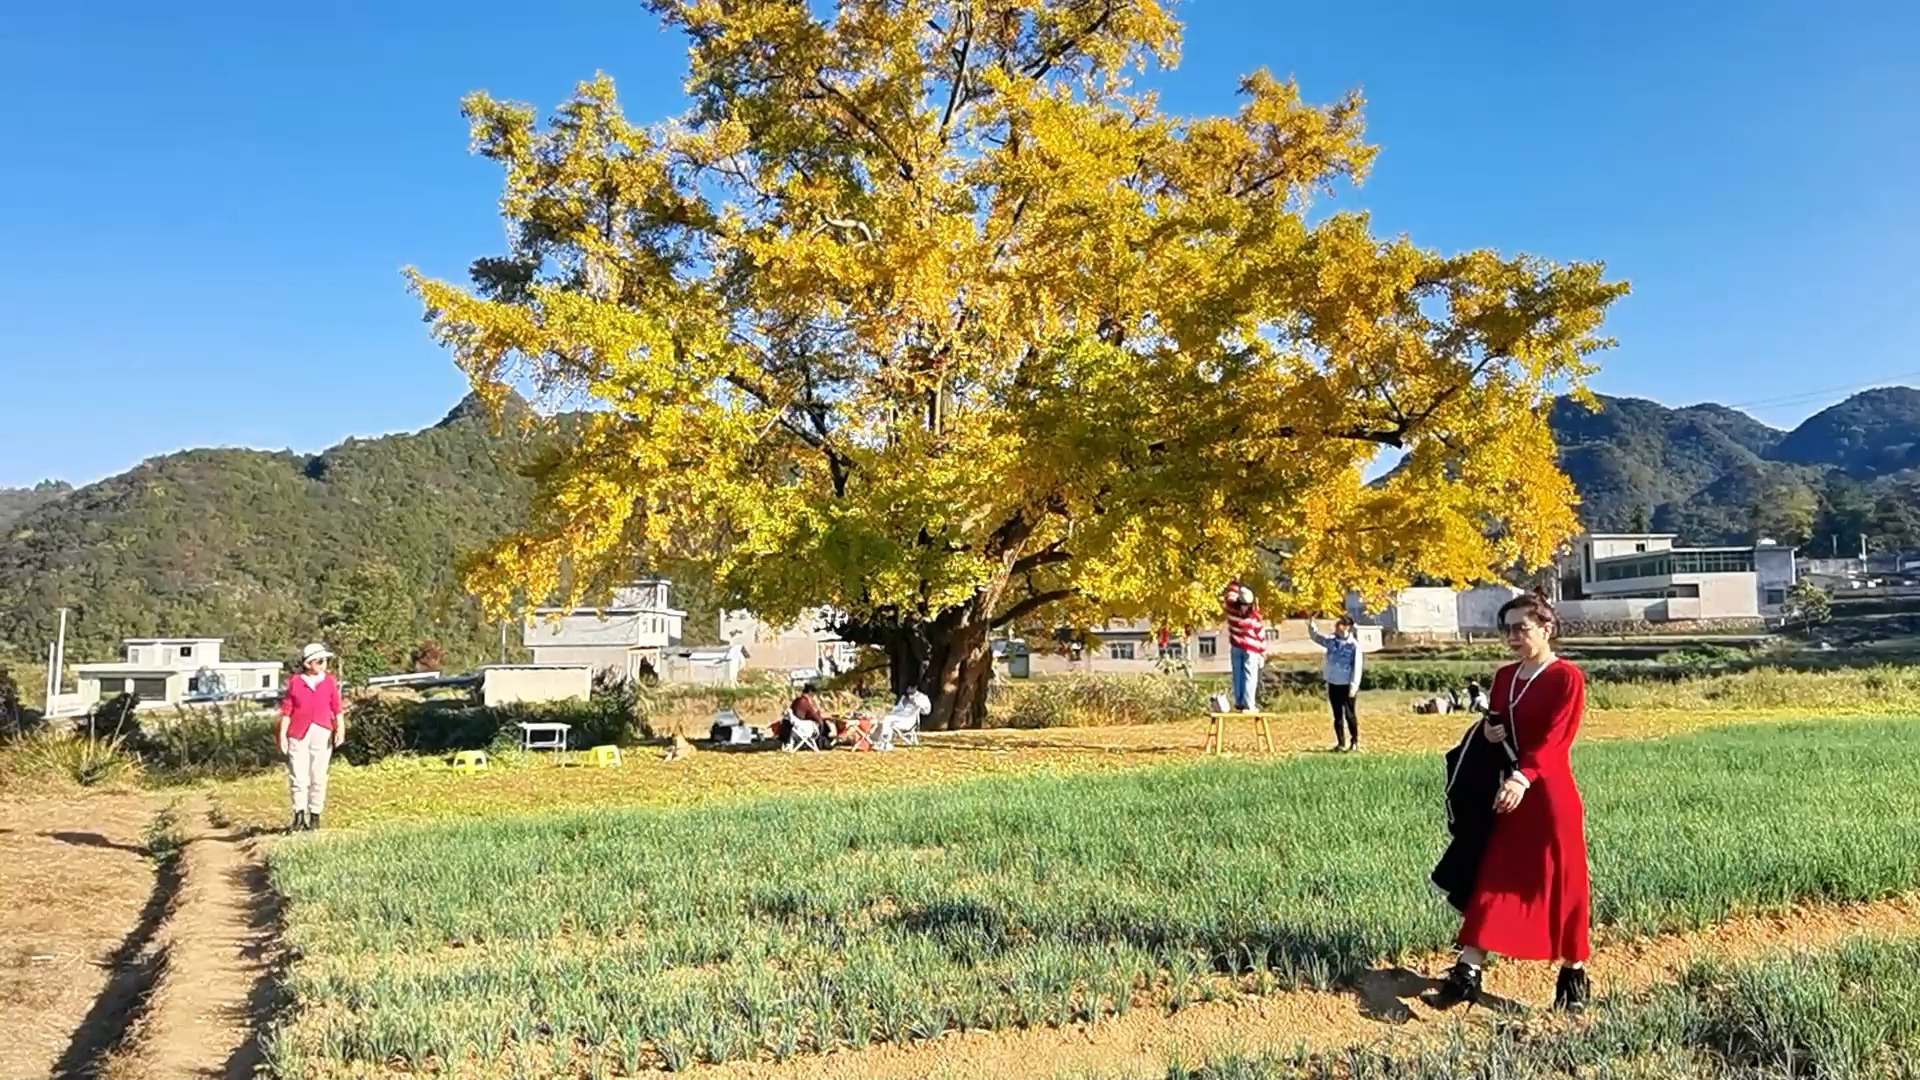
[[900, 722], [802, 734]]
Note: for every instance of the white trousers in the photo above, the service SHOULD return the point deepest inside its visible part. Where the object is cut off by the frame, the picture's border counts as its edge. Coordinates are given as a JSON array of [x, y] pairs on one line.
[[307, 759]]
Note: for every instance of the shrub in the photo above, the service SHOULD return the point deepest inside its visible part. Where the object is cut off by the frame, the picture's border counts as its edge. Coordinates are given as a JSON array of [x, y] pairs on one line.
[[219, 738], [16, 719], [84, 761], [1096, 700], [377, 727]]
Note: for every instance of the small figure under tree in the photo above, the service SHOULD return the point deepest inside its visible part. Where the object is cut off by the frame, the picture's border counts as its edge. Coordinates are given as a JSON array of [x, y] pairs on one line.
[[926, 313]]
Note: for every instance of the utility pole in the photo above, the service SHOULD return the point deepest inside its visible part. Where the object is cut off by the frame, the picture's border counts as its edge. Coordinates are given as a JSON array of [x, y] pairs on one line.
[[56, 663]]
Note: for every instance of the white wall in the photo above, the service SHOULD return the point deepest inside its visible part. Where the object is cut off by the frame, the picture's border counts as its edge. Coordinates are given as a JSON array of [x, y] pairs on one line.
[[589, 629], [808, 643], [166, 654], [706, 667], [1287, 640], [614, 658], [1610, 547], [1425, 610], [524, 683], [1639, 610], [1479, 607], [1725, 596]]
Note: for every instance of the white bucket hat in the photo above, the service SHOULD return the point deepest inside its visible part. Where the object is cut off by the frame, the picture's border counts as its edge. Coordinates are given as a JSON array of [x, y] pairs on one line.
[[315, 651]]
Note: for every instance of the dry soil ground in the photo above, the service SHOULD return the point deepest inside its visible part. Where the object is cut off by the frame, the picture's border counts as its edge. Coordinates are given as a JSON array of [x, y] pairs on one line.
[[120, 964]]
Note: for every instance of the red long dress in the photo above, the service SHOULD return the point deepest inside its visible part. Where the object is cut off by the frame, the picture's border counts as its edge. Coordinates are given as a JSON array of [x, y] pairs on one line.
[[1531, 900]]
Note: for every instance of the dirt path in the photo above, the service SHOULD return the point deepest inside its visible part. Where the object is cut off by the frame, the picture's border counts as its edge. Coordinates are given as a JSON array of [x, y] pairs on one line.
[[80, 902], [1381, 1010], [216, 984]]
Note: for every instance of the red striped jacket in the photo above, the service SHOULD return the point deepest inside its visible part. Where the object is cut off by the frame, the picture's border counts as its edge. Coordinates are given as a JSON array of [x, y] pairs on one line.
[[1248, 632]]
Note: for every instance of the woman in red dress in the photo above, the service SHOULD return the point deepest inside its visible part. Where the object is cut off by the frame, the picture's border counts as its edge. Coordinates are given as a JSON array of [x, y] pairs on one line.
[[1531, 899]]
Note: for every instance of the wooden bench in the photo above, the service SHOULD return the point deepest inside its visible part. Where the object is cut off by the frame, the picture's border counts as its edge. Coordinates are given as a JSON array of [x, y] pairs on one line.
[[1217, 729]]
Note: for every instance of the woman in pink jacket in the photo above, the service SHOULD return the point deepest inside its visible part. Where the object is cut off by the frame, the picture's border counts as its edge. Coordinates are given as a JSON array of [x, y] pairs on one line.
[[311, 726]]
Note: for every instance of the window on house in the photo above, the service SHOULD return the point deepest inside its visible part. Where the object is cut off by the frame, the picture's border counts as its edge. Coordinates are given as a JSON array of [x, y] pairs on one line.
[[186, 652], [1776, 597], [266, 681], [1640, 547], [1209, 647], [1273, 633], [1120, 650]]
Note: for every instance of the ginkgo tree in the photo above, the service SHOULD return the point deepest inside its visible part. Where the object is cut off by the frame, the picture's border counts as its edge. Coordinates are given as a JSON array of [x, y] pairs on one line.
[[927, 312]]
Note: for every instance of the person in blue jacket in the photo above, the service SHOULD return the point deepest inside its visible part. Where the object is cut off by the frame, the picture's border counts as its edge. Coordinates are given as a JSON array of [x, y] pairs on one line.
[[1342, 673]]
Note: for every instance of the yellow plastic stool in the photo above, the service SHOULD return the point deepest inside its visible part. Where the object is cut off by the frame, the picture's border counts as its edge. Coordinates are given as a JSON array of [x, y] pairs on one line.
[[470, 761], [603, 756]]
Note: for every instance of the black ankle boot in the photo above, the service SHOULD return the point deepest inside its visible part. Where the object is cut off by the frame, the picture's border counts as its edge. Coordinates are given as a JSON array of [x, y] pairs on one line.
[[313, 821], [1462, 985], [299, 822], [1573, 990]]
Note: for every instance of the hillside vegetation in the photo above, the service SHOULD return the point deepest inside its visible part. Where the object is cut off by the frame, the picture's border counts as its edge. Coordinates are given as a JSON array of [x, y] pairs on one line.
[[263, 548], [1716, 475], [258, 547]]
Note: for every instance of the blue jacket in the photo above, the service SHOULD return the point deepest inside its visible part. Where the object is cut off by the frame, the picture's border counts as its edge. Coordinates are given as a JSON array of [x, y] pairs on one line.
[[1344, 659]]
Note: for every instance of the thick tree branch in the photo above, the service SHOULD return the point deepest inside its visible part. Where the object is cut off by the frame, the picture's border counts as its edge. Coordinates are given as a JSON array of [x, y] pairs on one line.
[[1051, 555], [1032, 604], [839, 466]]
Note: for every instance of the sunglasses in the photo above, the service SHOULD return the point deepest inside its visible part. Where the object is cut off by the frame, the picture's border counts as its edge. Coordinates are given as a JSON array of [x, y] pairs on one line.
[[1511, 629]]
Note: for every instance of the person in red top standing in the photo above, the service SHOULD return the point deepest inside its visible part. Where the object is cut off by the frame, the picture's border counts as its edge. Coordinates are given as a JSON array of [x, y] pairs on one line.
[[1247, 637], [1532, 897], [312, 724]]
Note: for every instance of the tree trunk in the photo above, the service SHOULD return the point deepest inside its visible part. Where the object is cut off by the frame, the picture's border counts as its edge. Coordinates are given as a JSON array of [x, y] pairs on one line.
[[948, 657], [957, 677]]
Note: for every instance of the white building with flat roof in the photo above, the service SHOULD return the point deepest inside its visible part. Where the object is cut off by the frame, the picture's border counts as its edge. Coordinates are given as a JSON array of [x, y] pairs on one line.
[[1632, 577], [809, 644], [628, 636], [168, 671]]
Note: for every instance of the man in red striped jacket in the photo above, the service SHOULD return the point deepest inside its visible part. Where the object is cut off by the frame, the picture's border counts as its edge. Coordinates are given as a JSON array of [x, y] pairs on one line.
[[1247, 633]]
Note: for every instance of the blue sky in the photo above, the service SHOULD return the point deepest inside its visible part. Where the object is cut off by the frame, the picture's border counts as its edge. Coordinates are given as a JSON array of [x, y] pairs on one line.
[[204, 207]]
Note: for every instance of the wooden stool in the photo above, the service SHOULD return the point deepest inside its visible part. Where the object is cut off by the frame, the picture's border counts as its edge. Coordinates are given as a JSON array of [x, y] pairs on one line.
[[604, 756], [470, 761], [1217, 729]]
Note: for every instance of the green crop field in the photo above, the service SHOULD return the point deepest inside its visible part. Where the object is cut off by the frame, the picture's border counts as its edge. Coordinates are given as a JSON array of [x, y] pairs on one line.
[[628, 939]]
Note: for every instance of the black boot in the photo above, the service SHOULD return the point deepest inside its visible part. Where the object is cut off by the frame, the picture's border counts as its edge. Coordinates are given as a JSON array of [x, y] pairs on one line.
[[1462, 985], [313, 821], [299, 822], [1570, 994]]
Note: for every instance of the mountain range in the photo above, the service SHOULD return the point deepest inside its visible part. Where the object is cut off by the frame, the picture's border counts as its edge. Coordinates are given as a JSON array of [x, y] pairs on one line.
[[267, 548], [1718, 476]]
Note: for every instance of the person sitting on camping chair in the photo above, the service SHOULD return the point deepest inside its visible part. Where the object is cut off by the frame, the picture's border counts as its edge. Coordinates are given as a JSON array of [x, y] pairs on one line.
[[805, 721]]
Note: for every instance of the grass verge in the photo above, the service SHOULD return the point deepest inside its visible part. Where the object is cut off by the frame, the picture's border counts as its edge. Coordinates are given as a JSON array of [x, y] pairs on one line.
[[623, 939]]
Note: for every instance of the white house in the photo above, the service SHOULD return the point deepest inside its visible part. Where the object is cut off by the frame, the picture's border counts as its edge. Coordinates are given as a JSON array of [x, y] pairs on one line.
[[1133, 645], [1631, 577], [809, 644], [167, 671], [1438, 612], [627, 636]]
